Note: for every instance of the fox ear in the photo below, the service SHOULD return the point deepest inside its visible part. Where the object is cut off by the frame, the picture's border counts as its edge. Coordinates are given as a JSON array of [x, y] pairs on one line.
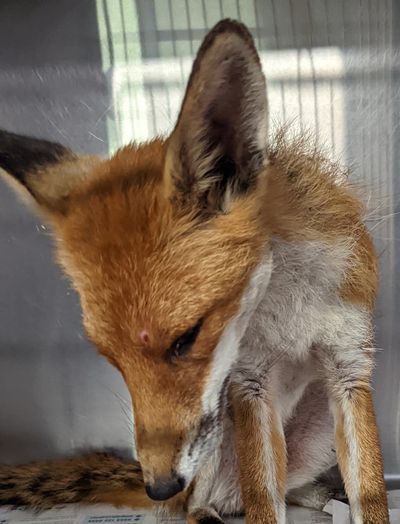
[[46, 170], [218, 146]]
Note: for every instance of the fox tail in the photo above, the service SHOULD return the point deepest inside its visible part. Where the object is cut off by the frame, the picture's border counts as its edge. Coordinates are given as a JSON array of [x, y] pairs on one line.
[[94, 478]]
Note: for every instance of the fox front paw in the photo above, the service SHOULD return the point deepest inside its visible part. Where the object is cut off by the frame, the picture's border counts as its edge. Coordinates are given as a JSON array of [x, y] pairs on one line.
[[204, 516]]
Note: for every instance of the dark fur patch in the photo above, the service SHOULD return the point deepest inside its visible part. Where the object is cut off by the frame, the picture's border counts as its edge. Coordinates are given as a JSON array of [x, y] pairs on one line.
[[204, 516], [14, 501], [209, 520], [48, 494], [85, 479], [20, 154], [37, 484], [207, 425], [212, 421], [7, 485], [132, 483]]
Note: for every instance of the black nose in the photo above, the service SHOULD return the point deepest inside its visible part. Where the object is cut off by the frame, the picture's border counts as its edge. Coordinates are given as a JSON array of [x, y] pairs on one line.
[[165, 487]]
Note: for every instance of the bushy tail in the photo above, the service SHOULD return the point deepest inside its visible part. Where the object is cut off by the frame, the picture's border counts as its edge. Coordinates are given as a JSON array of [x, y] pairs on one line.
[[94, 478]]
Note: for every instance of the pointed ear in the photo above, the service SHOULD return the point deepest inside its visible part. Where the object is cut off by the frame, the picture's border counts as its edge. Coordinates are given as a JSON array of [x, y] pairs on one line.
[[218, 146], [46, 170]]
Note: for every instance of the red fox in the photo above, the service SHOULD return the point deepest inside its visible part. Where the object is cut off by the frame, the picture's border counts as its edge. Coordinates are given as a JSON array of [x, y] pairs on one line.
[[231, 280]]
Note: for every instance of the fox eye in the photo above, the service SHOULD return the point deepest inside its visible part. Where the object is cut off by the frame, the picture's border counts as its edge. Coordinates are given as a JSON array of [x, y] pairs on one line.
[[184, 343]]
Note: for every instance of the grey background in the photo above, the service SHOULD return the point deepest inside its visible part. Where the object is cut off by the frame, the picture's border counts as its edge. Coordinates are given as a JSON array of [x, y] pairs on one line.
[[95, 74]]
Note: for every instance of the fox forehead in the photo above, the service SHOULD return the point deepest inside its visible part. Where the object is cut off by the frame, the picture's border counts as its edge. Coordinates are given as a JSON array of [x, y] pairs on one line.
[[141, 264]]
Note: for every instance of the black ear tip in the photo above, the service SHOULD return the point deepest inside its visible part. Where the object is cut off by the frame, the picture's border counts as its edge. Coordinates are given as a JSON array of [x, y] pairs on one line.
[[229, 26], [21, 154], [223, 30]]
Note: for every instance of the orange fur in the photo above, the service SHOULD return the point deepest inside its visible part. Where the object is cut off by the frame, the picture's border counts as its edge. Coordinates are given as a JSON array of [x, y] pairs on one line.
[[257, 499], [279, 447], [371, 486], [130, 255], [168, 232], [309, 198]]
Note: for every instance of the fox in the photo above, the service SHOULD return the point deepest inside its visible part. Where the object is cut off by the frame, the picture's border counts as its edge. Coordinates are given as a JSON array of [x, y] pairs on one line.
[[230, 277]]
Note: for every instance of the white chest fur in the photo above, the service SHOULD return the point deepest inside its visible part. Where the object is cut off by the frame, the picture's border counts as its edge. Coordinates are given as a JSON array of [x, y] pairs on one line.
[[300, 308], [300, 297]]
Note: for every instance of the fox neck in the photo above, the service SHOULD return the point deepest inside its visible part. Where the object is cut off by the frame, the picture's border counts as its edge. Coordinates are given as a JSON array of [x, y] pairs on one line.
[[225, 357]]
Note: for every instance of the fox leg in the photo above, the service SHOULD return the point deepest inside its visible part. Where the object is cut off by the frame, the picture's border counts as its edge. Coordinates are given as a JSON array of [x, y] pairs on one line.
[[205, 515], [348, 373], [261, 449], [199, 508], [310, 449]]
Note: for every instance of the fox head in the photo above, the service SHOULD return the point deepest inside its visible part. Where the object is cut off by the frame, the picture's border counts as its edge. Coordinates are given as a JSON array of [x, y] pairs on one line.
[[165, 244]]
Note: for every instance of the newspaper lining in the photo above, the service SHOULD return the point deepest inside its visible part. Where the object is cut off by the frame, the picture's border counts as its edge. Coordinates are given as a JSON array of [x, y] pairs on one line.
[[335, 512]]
